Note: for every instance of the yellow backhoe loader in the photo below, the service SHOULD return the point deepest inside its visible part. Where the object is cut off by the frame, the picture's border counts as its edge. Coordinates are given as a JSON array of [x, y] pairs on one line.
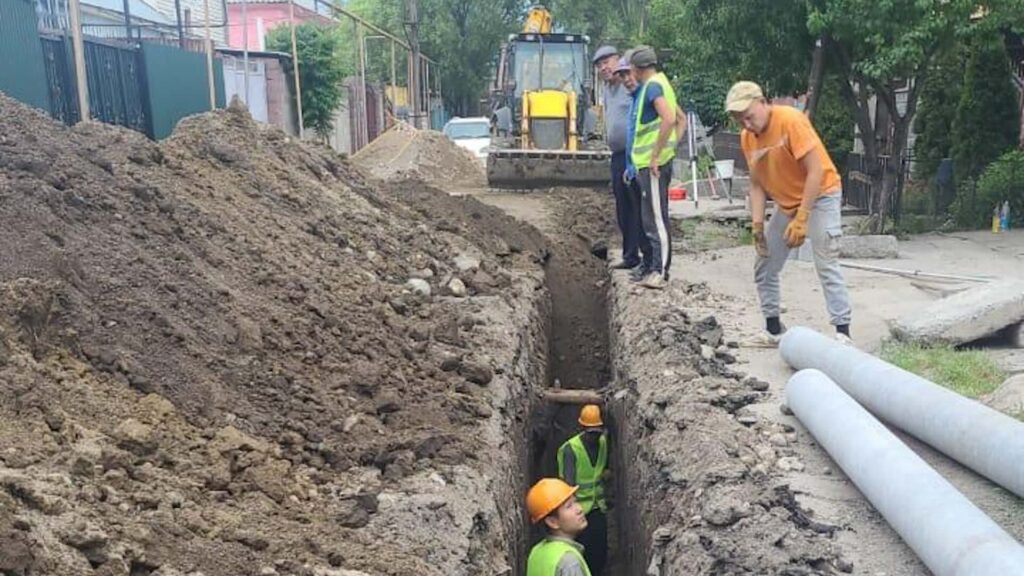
[[542, 111]]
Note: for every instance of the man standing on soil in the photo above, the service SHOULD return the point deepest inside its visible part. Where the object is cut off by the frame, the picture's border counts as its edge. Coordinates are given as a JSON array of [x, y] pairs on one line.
[[654, 148], [789, 164], [583, 461], [617, 101], [554, 502]]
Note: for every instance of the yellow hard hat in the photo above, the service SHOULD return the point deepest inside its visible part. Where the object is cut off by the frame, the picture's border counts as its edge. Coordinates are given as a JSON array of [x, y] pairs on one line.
[[590, 416], [546, 496]]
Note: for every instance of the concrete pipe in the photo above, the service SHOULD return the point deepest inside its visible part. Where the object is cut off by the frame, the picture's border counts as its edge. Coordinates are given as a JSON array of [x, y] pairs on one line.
[[989, 442], [950, 535]]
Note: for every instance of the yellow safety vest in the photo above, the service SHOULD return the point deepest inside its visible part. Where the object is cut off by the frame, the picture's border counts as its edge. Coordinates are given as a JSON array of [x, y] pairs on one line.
[[545, 556], [588, 474], [646, 135]]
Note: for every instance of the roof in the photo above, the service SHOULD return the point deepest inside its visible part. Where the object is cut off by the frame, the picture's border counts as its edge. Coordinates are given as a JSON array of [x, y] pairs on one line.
[[472, 120], [138, 8], [256, 53]]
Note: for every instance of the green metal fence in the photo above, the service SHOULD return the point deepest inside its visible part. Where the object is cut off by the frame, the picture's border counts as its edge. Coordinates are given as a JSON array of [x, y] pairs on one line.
[[23, 73], [177, 85]]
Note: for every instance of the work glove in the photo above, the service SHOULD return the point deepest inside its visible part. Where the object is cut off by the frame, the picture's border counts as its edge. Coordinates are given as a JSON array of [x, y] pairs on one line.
[[629, 175], [796, 232], [760, 243]]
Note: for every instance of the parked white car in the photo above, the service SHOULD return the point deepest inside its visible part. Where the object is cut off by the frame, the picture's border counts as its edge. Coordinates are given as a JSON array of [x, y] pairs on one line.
[[473, 134]]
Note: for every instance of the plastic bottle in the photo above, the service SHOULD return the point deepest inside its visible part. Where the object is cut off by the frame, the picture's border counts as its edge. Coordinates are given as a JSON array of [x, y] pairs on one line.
[[995, 220], [1004, 218]]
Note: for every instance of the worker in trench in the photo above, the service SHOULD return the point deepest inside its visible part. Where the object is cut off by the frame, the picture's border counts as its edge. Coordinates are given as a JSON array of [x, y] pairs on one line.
[[554, 502], [789, 164], [583, 462]]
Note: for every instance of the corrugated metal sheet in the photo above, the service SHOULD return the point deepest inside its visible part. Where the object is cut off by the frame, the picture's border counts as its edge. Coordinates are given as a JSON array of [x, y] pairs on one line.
[[177, 85], [23, 74]]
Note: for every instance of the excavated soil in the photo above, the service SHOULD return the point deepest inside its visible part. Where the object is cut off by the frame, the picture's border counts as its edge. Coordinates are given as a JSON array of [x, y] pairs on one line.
[[404, 153], [212, 360], [703, 483]]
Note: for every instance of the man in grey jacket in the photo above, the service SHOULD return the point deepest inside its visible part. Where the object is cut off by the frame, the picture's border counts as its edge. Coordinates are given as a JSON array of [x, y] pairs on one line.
[[616, 102]]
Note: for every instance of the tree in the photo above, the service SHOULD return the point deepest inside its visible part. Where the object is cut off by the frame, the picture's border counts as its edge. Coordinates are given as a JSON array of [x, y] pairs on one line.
[[986, 122], [712, 44], [934, 124], [321, 70], [883, 49]]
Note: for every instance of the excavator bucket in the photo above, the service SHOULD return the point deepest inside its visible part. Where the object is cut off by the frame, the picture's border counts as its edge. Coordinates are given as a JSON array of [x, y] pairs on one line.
[[524, 169]]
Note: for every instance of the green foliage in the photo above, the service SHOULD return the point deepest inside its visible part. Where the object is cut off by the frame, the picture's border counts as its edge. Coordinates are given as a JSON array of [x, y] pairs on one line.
[[970, 373], [833, 122], [320, 70], [704, 93], [617, 22], [1003, 180], [711, 44], [934, 123], [986, 122], [462, 36]]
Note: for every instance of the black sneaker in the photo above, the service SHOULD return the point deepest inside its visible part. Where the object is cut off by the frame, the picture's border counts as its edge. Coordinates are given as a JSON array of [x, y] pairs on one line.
[[623, 265], [638, 273]]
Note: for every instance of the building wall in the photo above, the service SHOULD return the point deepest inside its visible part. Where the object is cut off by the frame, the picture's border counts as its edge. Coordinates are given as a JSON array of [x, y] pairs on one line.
[[281, 110], [262, 18]]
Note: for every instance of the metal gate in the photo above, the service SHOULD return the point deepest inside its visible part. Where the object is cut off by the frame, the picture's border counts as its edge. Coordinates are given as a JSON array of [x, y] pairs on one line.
[[116, 85], [117, 82]]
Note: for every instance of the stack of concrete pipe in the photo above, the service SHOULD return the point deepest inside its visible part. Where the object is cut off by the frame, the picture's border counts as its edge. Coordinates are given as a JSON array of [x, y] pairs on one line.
[[835, 394]]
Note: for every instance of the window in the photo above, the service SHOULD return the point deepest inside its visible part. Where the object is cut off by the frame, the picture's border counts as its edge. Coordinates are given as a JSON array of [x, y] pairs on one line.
[[466, 130], [549, 66]]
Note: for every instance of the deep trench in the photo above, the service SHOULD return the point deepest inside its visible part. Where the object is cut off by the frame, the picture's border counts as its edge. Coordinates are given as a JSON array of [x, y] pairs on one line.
[[578, 358]]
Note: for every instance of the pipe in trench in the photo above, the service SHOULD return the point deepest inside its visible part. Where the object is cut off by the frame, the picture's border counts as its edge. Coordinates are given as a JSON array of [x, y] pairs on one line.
[[950, 535], [985, 440]]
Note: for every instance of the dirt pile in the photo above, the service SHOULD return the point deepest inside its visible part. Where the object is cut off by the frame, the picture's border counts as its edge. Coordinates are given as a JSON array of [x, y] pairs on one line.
[[407, 153], [227, 353], [703, 486]]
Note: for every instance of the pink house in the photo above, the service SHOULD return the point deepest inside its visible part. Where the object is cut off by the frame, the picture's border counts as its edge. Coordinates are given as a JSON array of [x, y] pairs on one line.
[[265, 15]]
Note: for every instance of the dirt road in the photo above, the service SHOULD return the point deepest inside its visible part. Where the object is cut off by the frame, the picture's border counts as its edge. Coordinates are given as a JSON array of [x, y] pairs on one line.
[[866, 540]]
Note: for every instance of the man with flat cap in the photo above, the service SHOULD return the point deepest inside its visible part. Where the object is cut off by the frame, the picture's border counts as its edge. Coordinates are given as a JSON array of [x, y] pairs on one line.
[[617, 101]]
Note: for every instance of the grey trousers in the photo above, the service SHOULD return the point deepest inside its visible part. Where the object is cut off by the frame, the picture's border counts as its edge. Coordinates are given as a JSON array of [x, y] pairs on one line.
[[823, 232]]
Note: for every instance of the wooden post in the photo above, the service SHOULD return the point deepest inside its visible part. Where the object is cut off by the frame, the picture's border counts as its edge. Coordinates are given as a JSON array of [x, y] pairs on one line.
[[209, 56], [245, 52], [295, 67], [82, 81], [394, 86], [564, 396]]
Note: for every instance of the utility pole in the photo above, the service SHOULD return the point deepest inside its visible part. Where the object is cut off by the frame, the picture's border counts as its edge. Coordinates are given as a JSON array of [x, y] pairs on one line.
[[127, 20], [81, 80], [364, 121], [394, 84], [412, 22], [245, 52], [209, 55], [295, 67], [181, 30]]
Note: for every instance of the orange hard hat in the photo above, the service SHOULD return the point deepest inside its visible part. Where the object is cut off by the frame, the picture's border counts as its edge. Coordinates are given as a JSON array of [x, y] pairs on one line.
[[546, 496], [590, 416]]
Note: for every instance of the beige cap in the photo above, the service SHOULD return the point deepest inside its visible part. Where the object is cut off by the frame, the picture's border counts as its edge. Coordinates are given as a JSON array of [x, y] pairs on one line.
[[741, 96]]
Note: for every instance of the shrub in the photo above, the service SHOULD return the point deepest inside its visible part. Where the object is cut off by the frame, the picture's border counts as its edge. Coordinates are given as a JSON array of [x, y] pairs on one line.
[[1001, 180]]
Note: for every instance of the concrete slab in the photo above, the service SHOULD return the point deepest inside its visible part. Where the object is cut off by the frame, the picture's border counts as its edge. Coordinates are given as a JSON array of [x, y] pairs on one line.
[[964, 317], [1009, 397], [875, 246]]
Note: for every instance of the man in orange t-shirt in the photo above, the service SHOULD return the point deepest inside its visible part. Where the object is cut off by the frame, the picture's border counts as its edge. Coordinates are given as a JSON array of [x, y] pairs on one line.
[[789, 164]]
